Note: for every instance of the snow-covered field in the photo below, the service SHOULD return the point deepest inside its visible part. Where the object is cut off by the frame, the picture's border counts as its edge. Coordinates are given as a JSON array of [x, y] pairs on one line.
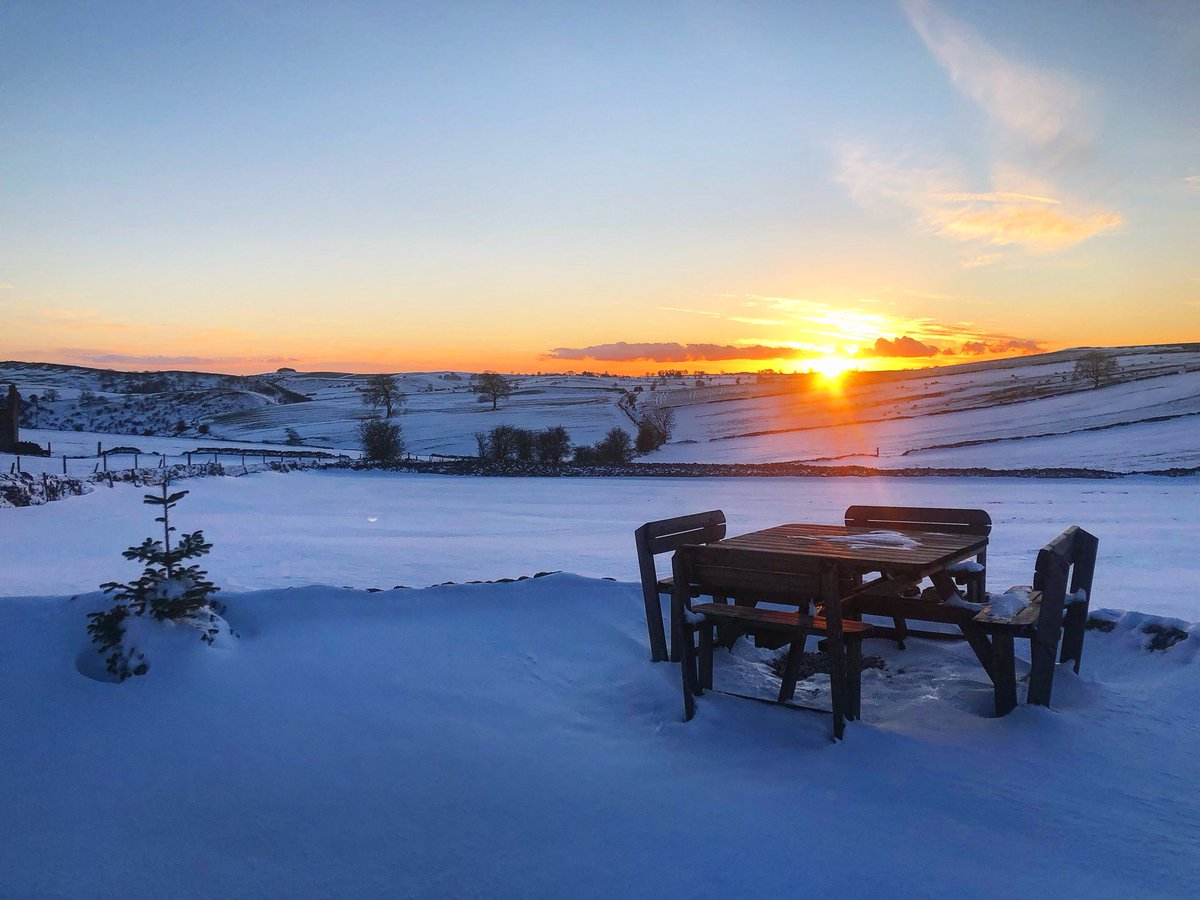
[[1006, 414], [374, 529], [514, 739]]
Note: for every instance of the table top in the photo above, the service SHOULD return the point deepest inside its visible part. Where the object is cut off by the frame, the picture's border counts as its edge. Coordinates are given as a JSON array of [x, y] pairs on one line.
[[865, 548]]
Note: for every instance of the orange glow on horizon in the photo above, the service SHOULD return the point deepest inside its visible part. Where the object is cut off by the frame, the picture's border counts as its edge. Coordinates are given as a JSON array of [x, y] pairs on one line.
[[832, 368]]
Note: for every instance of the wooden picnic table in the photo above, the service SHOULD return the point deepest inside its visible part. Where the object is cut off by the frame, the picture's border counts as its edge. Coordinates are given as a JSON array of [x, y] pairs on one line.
[[897, 559]]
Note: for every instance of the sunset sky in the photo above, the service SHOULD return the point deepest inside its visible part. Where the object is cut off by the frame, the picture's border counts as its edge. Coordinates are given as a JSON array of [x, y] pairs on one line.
[[624, 186]]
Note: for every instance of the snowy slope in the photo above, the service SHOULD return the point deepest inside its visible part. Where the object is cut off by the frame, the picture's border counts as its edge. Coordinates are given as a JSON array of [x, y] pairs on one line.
[[514, 741], [1001, 415]]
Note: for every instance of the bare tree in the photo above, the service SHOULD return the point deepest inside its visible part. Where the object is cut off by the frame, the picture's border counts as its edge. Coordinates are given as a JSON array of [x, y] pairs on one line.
[[655, 429], [383, 390], [1096, 366], [492, 386]]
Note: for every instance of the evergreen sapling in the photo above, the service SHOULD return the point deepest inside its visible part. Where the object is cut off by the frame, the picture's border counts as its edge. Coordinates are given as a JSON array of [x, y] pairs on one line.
[[167, 590]]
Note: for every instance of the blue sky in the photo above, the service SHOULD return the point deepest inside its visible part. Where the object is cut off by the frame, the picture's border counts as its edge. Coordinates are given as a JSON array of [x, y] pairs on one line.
[[408, 186]]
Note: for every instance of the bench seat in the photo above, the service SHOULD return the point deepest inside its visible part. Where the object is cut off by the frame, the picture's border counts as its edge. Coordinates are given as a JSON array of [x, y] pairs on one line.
[[778, 619], [789, 627]]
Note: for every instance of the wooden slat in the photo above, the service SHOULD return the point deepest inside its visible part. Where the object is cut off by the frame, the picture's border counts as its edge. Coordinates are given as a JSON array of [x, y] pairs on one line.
[[813, 541], [669, 534], [921, 518], [776, 619]]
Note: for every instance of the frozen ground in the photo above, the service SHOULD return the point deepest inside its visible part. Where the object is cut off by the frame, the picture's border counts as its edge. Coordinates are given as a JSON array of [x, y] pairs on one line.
[[514, 741], [374, 529]]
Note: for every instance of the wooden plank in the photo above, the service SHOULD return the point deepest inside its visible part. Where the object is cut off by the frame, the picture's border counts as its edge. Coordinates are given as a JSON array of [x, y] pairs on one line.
[[1082, 572], [664, 535], [854, 679], [918, 610], [1004, 673], [838, 687], [654, 620], [668, 535], [683, 640], [791, 669], [1050, 574], [921, 518], [777, 619]]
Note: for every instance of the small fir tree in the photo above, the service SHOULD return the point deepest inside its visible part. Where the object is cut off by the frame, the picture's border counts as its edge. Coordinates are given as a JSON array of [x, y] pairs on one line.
[[167, 589]]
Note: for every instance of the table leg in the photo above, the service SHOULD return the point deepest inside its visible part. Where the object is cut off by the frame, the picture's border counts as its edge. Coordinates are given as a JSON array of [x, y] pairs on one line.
[[944, 584], [836, 650], [854, 676]]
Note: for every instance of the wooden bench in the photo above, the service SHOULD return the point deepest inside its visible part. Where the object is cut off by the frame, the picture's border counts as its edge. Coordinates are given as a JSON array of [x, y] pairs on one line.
[[923, 518], [1058, 611], [666, 536], [750, 577]]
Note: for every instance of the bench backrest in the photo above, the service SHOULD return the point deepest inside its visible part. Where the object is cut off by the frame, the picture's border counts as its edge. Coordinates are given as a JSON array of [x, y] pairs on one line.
[[1064, 567], [921, 518], [667, 535], [738, 573], [663, 536]]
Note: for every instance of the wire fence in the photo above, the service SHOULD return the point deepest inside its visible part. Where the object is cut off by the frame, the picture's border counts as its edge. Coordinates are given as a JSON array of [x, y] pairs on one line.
[[125, 460]]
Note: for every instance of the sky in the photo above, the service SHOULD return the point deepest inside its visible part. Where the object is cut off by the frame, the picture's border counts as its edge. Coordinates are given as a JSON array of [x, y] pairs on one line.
[[627, 187]]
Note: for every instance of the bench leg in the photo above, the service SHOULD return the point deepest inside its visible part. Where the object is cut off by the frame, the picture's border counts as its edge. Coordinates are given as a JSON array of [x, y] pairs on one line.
[[1004, 673], [681, 643], [706, 656], [1041, 669], [854, 677], [791, 670], [1074, 626], [980, 645], [901, 627], [676, 631]]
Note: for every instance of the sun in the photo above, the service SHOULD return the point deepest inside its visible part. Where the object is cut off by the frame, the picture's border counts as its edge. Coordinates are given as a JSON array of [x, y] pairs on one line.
[[831, 368]]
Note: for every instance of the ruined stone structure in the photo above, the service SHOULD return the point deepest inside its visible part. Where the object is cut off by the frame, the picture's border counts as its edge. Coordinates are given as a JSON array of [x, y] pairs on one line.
[[10, 421]]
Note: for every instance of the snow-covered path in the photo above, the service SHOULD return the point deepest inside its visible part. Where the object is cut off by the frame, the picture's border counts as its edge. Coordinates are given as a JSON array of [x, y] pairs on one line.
[[513, 740], [374, 529]]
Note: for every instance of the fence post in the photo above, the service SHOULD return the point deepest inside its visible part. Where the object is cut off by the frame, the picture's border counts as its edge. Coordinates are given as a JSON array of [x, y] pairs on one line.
[[135, 465], [64, 464], [214, 458], [18, 464], [243, 460], [189, 456], [104, 456]]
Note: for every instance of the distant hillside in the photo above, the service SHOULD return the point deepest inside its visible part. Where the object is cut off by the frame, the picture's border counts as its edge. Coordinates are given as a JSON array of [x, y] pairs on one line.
[[1014, 413]]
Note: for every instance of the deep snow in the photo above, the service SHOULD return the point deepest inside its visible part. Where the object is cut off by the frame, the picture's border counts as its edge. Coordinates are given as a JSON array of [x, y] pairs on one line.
[[514, 740]]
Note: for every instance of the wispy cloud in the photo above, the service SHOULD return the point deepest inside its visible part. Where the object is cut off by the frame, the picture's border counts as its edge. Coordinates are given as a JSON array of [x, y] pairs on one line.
[[1192, 181], [1043, 107], [103, 357], [1039, 222], [621, 351], [725, 317]]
